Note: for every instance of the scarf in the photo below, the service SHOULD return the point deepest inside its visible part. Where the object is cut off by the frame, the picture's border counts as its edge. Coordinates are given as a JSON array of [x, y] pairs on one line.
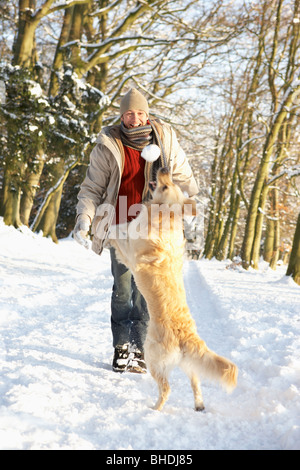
[[139, 137], [136, 137]]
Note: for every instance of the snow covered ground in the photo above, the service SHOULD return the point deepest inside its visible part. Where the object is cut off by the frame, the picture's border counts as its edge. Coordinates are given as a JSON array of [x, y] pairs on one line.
[[57, 390]]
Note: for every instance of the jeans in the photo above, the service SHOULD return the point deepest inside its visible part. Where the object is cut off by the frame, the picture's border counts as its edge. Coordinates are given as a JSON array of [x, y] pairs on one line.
[[129, 313]]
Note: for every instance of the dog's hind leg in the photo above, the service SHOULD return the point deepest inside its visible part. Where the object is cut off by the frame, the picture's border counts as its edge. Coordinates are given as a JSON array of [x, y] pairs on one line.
[[190, 371], [195, 383], [163, 388]]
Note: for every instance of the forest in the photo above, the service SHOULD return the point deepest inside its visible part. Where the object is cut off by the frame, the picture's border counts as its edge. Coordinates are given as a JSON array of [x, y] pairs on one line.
[[224, 73]]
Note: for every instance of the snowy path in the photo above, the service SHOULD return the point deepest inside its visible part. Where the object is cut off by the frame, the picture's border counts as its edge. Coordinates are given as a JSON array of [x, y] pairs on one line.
[[57, 390]]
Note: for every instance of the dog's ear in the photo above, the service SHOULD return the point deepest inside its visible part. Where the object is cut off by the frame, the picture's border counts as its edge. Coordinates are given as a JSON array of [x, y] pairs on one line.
[[189, 207]]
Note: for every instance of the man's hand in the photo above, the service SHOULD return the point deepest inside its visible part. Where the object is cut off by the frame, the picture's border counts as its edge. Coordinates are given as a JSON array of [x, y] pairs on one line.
[[81, 230]]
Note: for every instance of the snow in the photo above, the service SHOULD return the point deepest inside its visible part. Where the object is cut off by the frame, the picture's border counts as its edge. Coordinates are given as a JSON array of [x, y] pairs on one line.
[[35, 89], [57, 387]]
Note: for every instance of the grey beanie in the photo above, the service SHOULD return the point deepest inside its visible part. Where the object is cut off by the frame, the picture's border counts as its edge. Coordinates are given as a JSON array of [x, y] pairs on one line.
[[134, 100]]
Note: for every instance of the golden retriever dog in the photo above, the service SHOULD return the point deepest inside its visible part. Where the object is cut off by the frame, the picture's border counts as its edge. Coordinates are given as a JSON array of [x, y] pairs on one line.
[[152, 246]]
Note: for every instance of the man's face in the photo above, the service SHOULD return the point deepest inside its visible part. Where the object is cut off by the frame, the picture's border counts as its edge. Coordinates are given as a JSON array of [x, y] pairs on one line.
[[134, 118]]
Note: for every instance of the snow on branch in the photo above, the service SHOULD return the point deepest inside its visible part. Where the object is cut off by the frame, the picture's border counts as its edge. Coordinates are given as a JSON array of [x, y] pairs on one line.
[[105, 9], [291, 172], [66, 4]]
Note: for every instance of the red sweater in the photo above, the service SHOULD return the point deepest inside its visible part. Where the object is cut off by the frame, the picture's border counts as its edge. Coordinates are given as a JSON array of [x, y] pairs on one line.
[[132, 186]]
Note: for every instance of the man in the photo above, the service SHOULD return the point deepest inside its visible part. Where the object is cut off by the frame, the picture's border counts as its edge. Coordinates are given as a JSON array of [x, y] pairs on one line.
[[118, 179]]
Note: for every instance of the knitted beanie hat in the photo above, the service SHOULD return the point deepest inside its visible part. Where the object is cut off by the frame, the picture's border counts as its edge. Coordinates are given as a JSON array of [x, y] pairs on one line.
[[134, 100]]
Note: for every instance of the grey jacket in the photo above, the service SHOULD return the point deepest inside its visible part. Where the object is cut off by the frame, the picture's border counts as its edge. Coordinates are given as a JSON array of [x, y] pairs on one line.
[[98, 193]]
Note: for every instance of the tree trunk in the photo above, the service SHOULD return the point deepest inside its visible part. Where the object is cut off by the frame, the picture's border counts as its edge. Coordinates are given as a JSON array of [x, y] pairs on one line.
[[234, 226], [269, 240], [209, 241], [222, 251], [48, 222], [256, 246], [13, 173], [59, 54], [294, 264], [48, 213], [276, 225], [25, 41], [10, 202], [30, 187], [76, 30]]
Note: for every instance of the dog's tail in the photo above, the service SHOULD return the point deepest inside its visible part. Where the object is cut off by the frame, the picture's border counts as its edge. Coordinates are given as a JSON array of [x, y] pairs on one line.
[[208, 364]]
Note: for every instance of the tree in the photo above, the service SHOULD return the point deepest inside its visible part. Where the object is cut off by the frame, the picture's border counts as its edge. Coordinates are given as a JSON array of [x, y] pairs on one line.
[[294, 263]]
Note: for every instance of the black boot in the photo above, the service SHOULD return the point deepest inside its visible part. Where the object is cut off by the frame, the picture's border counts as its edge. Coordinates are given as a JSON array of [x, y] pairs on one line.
[[136, 361], [120, 359]]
